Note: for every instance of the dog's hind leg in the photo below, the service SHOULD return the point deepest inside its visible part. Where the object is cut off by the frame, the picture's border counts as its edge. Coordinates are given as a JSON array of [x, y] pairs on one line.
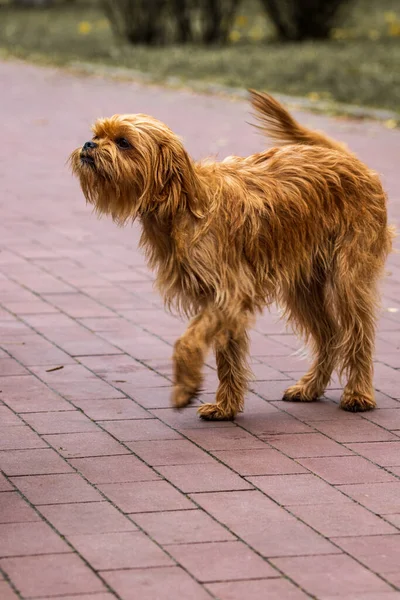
[[231, 351], [309, 311], [190, 352], [356, 303]]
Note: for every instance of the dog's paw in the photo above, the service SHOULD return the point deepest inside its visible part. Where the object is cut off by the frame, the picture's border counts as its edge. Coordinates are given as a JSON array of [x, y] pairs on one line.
[[213, 412], [355, 402], [299, 393], [181, 396]]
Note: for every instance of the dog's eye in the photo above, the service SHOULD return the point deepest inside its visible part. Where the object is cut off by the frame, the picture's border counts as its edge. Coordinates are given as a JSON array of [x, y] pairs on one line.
[[122, 143]]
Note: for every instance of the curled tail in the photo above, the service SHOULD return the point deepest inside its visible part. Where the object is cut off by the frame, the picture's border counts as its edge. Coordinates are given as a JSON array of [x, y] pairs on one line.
[[280, 126]]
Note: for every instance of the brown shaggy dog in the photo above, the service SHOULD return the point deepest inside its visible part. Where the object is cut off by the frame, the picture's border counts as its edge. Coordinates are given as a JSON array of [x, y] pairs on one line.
[[304, 225]]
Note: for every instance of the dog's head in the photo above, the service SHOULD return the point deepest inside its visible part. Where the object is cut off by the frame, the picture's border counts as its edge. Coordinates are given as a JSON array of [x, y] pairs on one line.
[[133, 165]]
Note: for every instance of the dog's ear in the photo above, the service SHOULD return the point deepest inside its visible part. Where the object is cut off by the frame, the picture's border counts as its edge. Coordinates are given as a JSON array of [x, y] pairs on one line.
[[176, 181]]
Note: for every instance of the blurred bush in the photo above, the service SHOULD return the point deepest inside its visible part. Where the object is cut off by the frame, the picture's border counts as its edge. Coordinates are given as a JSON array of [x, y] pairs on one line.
[[157, 22], [299, 20]]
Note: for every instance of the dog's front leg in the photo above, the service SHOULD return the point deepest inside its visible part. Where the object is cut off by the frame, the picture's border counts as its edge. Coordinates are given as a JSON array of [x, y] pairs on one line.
[[190, 352], [233, 373]]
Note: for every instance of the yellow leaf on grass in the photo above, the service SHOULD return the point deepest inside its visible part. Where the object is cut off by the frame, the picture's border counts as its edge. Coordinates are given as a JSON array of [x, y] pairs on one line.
[[374, 34], [390, 16], [314, 96], [391, 123], [84, 27], [394, 29], [235, 36], [256, 33], [241, 21]]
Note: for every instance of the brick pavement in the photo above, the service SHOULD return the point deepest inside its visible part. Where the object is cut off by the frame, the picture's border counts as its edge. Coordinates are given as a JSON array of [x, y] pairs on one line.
[[109, 493]]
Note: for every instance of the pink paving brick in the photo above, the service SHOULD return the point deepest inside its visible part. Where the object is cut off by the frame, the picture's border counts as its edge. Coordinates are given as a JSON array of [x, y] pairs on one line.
[[51, 574], [230, 438], [346, 469], [75, 445], [32, 462], [187, 419], [74, 382], [268, 528], [298, 489], [355, 429], [265, 424], [19, 437], [9, 366], [71, 421], [120, 550], [388, 595], [271, 589], [321, 410], [182, 527], [259, 462], [140, 430], [149, 496], [342, 519], [324, 575], [8, 418], [5, 486], [37, 351], [114, 469], [86, 517], [207, 477], [169, 452], [24, 539], [307, 445], [385, 454], [219, 561], [56, 489], [77, 305], [99, 596], [153, 398], [389, 418], [262, 372], [381, 498], [112, 408], [380, 553], [161, 583], [27, 394], [13, 509], [6, 591]]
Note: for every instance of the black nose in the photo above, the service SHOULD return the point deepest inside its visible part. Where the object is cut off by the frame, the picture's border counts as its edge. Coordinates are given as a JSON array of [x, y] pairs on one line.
[[89, 146]]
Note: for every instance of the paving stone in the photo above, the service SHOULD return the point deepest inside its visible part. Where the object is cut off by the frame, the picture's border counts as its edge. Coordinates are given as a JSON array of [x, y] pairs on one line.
[[346, 469], [149, 496], [47, 575], [86, 517], [161, 583], [273, 589], [56, 489], [219, 561], [119, 550], [31, 538], [32, 462], [321, 575], [114, 469], [181, 527]]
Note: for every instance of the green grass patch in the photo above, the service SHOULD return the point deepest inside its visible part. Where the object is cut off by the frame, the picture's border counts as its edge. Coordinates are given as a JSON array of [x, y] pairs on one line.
[[360, 65]]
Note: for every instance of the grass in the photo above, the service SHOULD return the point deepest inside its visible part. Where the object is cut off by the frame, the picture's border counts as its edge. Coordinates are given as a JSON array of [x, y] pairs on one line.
[[360, 65]]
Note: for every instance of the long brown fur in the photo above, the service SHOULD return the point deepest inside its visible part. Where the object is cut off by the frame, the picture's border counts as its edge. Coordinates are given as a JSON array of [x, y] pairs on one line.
[[304, 225]]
